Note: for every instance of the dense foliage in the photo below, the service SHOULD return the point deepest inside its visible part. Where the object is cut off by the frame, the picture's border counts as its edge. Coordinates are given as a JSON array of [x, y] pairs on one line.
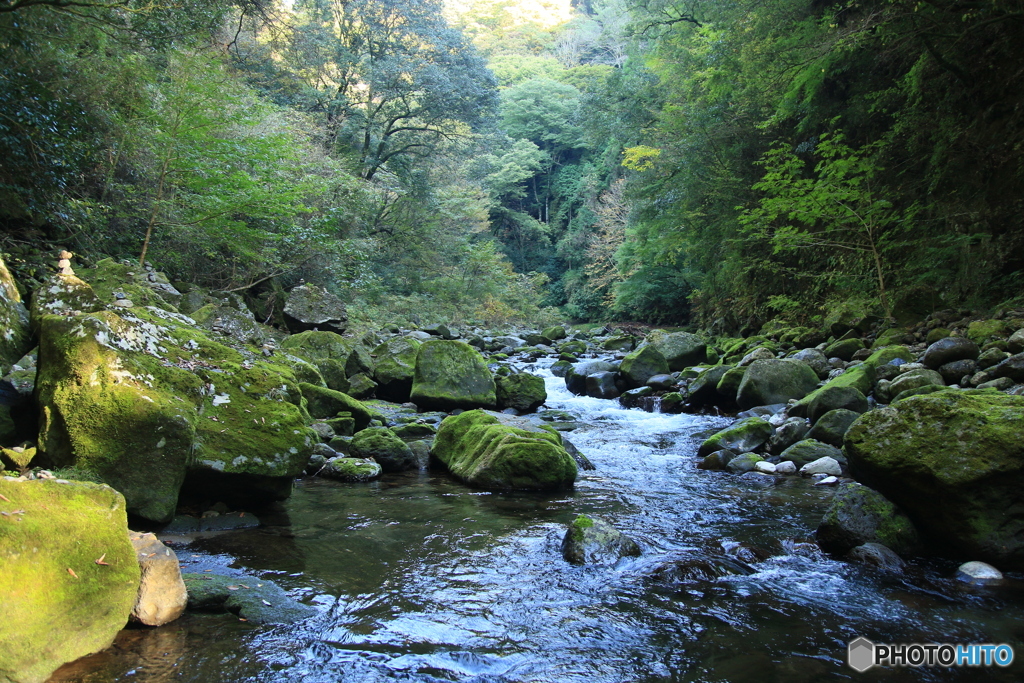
[[719, 162]]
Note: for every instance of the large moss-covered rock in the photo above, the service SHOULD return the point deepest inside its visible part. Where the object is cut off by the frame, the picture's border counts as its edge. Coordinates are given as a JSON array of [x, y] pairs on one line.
[[522, 391], [858, 515], [142, 287], [450, 375], [703, 390], [745, 435], [680, 349], [394, 368], [15, 333], [775, 381], [141, 396], [640, 365], [954, 462], [482, 451], [314, 308], [58, 603]]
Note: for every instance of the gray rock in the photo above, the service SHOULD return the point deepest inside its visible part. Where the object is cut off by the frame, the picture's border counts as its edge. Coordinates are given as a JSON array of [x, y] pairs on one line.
[[743, 463], [809, 450], [775, 381], [760, 353], [640, 365], [786, 467], [717, 460], [948, 350], [835, 398], [602, 385], [878, 556], [815, 359], [703, 390], [592, 540], [978, 573], [1016, 342], [826, 465], [832, 426], [1000, 383], [162, 597], [680, 349], [955, 371], [313, 308], [991, 357], [844, 349], [858, 515], [788, 433], [915, 379], [576, 377], [664, 382], [1012, 367]]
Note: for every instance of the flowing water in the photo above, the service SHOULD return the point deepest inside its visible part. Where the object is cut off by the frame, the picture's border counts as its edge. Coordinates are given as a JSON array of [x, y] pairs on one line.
[[419, 578]]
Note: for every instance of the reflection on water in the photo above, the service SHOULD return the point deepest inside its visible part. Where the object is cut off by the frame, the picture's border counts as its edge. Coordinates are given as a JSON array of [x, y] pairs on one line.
[[420, 579]]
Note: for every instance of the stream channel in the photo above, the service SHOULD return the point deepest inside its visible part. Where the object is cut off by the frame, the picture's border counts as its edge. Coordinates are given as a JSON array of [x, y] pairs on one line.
[[419, 578]]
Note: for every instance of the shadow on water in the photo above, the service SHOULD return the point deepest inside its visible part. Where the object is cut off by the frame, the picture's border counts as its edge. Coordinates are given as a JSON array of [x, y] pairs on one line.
[[418, 578]]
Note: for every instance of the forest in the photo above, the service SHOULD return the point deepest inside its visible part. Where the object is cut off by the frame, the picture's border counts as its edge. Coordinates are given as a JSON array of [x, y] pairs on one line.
[[711, 163]]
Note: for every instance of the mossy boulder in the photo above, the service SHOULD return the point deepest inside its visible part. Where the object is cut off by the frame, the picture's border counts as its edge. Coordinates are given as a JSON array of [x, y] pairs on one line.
[[314, 308], [480, 450], [680, 349], [835, 398], [142, 287], [703, 390], [745, 435], [329, 352], [256, 600], [394, 368], [858, 515], [844, 348], [860, 376], [640, 365], [775, 381], [385, 447], [949, 349], [351, 469], [592, 540], [954, 462], [58, 603], [887, 354], [831, 427], [16, 337], [324, 404], [522, 391], [555, 332], [450, 375], [729, 386], [809, 450], [141, 396], [914, 379], [983, 331]]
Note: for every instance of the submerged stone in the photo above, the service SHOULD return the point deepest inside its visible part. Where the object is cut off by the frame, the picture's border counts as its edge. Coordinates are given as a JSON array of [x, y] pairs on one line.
[[592, 540]]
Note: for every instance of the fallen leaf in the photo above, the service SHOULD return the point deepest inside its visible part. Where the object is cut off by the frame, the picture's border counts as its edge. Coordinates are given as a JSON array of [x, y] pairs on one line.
[[72, 572], [232, 588], [243, 585], [241, 619], [267, 603], [207, 570], [151, 555], [100, 561], [3, 497], [264, 420]]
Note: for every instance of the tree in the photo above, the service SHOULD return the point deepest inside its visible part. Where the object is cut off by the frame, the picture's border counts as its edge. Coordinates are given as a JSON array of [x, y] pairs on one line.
[[391, 78], [836, 208]]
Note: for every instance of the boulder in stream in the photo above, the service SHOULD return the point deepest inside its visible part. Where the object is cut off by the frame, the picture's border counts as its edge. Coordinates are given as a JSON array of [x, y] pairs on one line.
[[592, 540], [481, 449], [68, 574], [450, 375]]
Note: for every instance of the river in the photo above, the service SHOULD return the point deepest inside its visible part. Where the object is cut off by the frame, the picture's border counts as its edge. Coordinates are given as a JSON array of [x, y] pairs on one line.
[[419, 578]]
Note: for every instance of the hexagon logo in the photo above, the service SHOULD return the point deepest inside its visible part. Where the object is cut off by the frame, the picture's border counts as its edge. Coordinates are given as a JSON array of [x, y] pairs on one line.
[[861, 655]]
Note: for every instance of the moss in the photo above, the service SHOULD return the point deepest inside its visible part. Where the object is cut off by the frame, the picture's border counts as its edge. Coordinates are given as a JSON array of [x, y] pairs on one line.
[[745, 435], [394, 367], [579, 525], [888, 354], [49, 615], [16, 339], [982, 331], [860, 377], [109, 277], [478, 449], [327, 403], [953, 460], [450, 375]]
